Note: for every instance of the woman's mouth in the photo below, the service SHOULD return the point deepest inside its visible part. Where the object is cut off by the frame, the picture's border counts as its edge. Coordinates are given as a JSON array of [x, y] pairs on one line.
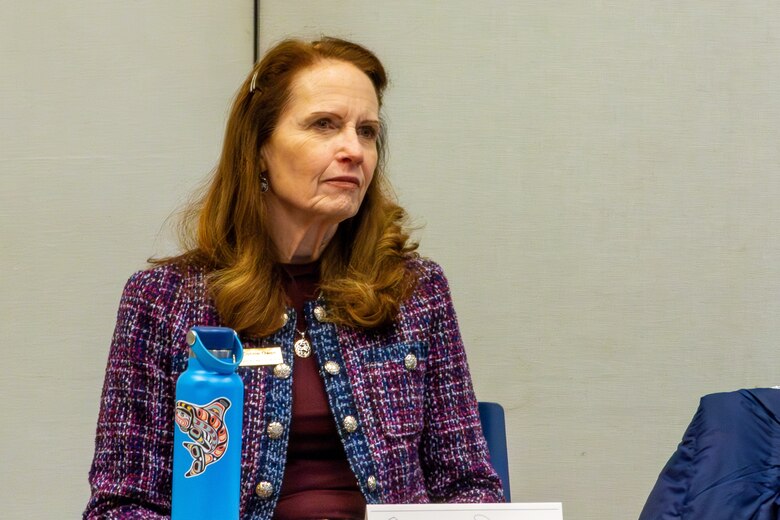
[[344, 182]]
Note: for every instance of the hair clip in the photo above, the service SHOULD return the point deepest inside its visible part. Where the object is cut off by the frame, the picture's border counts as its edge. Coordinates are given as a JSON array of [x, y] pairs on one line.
[[253, 84]]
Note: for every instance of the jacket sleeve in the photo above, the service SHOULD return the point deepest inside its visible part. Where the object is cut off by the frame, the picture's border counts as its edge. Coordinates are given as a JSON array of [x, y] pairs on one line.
[[130, 475], [725, 468], [454, 452]]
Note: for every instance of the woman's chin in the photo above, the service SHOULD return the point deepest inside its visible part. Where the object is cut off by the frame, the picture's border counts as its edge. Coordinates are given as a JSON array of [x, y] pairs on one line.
[[340, 210]]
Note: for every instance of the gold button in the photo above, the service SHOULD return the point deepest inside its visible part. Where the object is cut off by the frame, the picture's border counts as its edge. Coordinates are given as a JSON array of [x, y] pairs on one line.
[[191, 338], [410, 362], [371, 483], [275, 430], [282, 371], [350, 424], [319, 313], [332, 368], [264, 489], [285, 319]]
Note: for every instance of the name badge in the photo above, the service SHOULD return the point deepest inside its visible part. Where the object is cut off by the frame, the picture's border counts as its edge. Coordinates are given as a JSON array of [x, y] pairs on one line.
[[263, 356]]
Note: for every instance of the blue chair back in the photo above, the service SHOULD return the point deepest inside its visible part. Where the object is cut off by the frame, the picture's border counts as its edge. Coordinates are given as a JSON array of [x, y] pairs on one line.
[[494, 425]]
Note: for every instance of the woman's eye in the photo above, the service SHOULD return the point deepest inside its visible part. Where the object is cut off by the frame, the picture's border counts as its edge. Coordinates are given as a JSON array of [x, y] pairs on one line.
[[324, 124], [368, 132]]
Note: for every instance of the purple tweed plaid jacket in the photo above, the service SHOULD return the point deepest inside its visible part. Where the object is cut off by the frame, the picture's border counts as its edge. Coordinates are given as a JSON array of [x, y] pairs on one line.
[[418, 437]]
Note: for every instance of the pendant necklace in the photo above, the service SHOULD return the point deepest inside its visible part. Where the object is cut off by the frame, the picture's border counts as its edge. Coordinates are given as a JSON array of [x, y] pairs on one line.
[[302, 345]]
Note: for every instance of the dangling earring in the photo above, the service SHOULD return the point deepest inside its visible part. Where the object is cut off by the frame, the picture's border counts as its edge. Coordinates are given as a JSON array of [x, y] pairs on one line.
[[264, 183]]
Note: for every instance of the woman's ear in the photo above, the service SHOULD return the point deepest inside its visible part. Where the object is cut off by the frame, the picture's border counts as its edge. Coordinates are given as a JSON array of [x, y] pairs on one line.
[[263, 163]]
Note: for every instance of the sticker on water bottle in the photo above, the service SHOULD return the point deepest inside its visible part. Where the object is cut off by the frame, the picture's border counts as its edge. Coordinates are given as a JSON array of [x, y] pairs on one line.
[[205, 425]]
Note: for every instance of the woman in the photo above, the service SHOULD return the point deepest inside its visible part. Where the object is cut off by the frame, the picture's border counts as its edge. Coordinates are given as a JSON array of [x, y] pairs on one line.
[[298, 243]]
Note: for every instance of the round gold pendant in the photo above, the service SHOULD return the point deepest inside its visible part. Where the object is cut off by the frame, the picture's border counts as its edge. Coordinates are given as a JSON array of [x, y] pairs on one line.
[[302, 348]]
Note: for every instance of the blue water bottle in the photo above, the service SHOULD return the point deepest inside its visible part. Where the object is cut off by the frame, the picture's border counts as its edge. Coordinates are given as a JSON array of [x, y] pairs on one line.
[[207, 431]]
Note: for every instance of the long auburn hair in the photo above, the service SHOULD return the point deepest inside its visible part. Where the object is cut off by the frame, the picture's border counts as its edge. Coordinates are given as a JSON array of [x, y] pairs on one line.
[[364, 274]]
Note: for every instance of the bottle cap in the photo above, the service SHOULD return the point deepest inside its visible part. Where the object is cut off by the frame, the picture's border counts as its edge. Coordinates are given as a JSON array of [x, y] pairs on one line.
[[217, 348]]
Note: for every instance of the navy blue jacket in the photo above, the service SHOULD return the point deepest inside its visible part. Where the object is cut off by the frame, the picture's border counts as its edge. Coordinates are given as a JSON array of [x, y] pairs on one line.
[[727, 466]]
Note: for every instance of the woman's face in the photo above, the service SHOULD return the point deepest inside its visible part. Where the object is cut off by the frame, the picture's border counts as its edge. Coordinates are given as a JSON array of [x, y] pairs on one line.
[[322, 154]]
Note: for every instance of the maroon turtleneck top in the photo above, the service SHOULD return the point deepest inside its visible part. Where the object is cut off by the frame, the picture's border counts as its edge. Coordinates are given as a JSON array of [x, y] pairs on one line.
[[318, 482]]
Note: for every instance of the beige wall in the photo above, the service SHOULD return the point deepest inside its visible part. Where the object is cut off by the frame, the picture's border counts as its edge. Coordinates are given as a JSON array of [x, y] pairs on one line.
[[600, 182], [110, 113]]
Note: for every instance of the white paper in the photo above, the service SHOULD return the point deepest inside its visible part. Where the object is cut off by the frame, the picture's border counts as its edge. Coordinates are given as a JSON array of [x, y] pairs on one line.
[[526, 511]]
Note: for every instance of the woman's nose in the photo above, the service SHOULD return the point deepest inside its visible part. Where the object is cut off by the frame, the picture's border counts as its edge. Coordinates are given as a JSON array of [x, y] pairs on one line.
[[351, 147]]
